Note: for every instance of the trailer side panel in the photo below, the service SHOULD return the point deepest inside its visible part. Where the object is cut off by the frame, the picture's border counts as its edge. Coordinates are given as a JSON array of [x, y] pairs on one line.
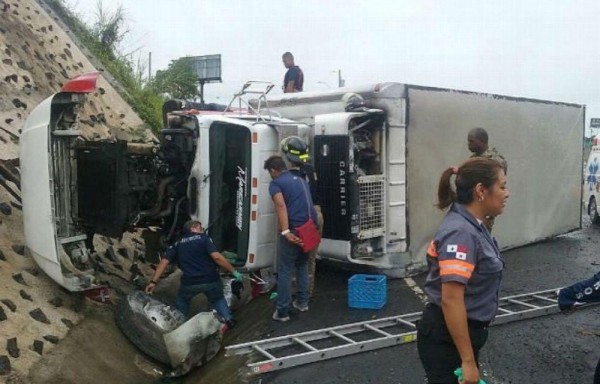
[[541, 141]]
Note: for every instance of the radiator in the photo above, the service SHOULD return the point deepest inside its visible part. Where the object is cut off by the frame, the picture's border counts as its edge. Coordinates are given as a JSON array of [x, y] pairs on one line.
[[372, 203]]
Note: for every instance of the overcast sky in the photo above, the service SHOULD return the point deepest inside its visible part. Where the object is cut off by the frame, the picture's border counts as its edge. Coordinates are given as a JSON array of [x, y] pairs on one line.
[[541, 49]]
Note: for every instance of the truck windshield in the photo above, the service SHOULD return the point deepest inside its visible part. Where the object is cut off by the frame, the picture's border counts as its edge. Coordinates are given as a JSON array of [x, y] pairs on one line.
[[230, 190]]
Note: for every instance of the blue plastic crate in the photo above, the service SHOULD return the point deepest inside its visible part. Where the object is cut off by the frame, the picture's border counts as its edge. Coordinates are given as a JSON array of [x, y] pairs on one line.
[[367, 291]]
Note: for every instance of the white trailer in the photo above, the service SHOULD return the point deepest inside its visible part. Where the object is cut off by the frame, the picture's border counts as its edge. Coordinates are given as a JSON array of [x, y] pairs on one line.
[[423, 131]]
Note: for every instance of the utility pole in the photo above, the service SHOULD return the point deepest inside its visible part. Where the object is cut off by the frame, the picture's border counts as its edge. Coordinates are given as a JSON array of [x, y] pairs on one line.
[[201, 84], [149, 65], [341, 82]]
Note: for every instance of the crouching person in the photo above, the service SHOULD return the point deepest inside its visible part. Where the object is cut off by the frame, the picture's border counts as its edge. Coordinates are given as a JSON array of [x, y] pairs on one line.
[[199, 261]]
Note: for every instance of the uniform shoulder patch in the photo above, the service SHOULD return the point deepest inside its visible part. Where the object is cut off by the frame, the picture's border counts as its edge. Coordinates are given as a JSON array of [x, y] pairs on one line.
[[457, 251]]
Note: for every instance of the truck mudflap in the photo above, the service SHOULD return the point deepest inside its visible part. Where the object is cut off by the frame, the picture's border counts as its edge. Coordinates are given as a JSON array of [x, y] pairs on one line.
[[51, 237]]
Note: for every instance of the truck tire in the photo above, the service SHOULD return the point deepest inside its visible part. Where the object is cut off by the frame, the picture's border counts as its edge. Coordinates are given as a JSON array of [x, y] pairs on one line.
[[593, 211], [597, 374], [139, 327]]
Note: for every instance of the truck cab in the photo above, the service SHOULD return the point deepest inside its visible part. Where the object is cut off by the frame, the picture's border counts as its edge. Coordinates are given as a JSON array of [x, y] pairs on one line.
[[206, 166], [231, 188]]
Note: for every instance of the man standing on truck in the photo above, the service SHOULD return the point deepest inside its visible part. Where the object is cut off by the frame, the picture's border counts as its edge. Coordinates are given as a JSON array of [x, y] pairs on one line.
[[293, 209], [199, 261], [296, 152], [477, 141], [293, 81]]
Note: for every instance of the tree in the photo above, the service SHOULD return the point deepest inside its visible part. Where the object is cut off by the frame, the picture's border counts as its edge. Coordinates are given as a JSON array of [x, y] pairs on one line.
[[179, 80], [109, 28]]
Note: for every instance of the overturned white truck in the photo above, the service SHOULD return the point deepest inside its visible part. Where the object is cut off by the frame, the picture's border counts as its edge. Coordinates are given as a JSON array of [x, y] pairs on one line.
[[378, 170]]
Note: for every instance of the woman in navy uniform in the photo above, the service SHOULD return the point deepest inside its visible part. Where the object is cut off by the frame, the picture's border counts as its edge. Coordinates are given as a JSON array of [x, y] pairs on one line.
[[465, 270]]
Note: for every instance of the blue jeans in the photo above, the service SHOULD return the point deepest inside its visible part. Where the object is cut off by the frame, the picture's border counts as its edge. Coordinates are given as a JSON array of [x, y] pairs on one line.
[[586, 291], [213, 292], [289, 258]]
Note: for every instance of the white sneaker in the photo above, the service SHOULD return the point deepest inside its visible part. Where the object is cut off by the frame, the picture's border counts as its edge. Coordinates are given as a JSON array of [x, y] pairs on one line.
[[301, 308], [283, 319]]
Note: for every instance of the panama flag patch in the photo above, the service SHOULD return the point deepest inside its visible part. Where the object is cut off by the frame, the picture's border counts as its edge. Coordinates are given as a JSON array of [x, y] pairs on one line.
[[457, 250]]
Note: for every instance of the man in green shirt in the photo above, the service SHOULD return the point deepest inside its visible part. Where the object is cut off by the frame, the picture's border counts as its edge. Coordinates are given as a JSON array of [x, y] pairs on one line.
[[477, 141], [478, 145]]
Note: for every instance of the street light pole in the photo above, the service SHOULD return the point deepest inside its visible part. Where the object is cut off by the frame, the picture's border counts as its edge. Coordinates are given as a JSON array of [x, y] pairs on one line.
[[341, 81]]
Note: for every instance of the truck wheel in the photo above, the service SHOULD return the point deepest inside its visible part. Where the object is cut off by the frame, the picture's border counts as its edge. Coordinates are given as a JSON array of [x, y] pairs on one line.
[[144, 331], [593, 211]]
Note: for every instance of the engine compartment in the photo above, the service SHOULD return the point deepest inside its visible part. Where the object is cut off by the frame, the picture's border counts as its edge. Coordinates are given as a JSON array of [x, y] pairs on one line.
[[109, 187], [352, 183]]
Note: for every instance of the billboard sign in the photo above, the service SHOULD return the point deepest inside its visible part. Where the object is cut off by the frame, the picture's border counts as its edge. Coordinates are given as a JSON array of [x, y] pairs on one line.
[[207, 68]]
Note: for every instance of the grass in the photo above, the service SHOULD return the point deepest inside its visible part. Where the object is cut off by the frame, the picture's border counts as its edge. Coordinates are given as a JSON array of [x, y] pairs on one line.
[[145, 101]]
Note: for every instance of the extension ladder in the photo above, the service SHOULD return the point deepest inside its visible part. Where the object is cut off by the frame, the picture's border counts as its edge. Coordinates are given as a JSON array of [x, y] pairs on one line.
[[342, 340]]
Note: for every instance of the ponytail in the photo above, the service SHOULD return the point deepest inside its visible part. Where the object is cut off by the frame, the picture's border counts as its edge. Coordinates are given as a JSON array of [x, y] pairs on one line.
[[472, 172], [446, 195]]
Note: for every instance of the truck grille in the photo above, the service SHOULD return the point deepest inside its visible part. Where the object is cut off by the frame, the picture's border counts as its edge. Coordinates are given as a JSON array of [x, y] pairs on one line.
[[335, 186], [372, 213]]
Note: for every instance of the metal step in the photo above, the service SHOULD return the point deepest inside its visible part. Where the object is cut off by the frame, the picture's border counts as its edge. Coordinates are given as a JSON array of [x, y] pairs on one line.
[[318, 345]]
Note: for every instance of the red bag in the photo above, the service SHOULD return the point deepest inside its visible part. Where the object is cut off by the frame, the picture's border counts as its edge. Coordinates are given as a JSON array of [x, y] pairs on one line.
[[309, 234]]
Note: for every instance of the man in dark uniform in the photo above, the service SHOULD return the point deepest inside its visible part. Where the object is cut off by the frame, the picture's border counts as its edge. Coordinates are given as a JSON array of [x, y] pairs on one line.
[[199, 260], [293, 80]]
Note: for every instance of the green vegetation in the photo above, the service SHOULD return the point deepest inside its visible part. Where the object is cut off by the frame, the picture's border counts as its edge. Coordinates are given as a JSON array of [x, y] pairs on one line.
[[102, 40], [179, 80]]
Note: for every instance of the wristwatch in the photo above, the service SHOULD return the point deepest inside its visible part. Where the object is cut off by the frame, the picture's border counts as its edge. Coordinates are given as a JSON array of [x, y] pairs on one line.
[[283, 233]]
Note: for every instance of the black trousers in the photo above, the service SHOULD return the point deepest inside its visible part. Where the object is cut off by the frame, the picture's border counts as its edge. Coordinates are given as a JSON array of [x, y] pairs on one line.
[[437, 351]]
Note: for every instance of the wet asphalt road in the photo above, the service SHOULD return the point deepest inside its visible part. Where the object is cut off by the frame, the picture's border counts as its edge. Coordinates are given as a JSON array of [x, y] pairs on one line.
[[553, 349]]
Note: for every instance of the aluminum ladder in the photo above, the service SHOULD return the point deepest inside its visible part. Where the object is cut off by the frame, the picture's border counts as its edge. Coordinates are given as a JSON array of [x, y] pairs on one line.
[[342, 340]]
